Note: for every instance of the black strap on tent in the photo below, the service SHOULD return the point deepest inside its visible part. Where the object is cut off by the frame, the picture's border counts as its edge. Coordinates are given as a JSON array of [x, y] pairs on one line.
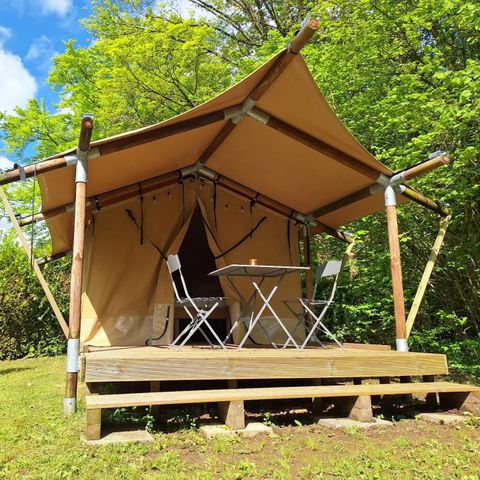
[[182, 186], [140, 192], [215, 183], [97, 204], [248, 235], [289, 240], [149, 341], [131, 216], [253, 202]]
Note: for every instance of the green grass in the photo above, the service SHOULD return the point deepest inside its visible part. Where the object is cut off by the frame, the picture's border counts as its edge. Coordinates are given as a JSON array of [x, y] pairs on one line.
[[36, 441]]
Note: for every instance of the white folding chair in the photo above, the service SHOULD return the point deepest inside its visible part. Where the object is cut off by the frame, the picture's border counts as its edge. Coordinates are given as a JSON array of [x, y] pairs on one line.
[[330, 269], [198, 309]]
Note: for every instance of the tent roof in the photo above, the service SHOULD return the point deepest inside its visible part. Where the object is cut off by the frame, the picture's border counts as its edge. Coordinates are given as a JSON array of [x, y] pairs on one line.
[[254, 155]]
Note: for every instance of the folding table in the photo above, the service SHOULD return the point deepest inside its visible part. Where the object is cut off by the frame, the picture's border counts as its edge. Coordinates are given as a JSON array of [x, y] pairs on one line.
[[255, 272]]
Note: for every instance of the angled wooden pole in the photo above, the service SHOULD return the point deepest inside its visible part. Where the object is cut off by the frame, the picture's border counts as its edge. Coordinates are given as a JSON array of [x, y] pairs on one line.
[[412, 314], [73, 350], [36, 268], [396, 269]]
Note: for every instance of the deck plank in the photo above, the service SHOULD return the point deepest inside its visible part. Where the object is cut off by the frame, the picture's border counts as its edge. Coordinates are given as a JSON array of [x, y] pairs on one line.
[[157, 364], [271, 393]]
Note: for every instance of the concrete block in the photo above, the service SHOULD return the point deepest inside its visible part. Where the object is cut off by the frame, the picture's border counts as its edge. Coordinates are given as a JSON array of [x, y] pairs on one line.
[[218, 429], [349, 423], [254, 428], [442, 418], [139, 436]]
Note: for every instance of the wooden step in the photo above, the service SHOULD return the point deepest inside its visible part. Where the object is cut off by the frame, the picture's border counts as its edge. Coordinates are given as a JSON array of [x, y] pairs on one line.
[[271, 393]]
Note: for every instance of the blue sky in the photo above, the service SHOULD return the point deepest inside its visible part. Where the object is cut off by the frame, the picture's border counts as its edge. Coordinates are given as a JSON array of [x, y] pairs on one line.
[[31, 33]]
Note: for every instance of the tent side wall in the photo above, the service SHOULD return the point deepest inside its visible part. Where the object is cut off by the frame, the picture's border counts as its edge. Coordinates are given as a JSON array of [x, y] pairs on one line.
[[128, 298]]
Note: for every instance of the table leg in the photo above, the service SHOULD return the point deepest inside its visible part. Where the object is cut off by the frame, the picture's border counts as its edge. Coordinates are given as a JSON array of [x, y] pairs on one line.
[[267, 304], [257, 317]]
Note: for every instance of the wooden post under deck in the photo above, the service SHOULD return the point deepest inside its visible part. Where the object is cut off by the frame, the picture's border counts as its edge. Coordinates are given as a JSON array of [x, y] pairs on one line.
[[396, 270], [70, 401]]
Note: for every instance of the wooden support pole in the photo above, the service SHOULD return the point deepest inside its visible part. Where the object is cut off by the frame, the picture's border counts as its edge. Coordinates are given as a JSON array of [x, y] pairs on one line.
[[425, 167], [70, 401], [426, 202], [412, 314], [36, 268], [396, 270], [94, 424], [342, 202], [52, 258]]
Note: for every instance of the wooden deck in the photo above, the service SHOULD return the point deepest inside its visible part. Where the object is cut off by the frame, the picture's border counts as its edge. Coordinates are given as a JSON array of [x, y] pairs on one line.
[[157, 364]]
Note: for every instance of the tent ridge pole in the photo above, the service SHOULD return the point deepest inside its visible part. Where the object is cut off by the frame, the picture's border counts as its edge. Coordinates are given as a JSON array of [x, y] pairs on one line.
[[310, 26], [73, 345], [396, 180], [316, 144], [114, 145]]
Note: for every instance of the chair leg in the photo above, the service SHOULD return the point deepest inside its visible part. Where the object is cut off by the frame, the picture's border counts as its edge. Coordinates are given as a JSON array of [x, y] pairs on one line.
[[201, 318]]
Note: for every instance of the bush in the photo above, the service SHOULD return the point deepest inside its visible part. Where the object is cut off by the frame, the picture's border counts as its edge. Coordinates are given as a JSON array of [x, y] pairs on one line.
[[28, 326]]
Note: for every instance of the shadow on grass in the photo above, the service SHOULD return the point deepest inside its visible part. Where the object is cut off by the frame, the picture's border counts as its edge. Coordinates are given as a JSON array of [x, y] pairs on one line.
[[6, 371]]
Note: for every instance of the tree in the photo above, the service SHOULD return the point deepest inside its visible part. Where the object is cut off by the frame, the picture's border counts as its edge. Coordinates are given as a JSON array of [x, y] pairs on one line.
[[402, 75]]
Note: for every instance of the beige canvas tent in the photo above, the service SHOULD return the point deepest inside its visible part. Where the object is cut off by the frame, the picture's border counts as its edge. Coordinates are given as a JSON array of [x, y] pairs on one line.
[[241, 176]]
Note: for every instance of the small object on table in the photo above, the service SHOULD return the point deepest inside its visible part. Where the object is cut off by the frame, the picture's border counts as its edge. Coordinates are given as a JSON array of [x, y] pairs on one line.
[[253, 261]]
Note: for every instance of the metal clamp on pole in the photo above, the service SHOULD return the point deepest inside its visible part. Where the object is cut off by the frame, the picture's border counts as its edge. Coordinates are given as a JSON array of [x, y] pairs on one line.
[[73, 355]]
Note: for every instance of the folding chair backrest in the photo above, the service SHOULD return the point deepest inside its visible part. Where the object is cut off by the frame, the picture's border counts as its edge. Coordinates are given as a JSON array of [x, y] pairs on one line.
[[329, 269], [178, 282]]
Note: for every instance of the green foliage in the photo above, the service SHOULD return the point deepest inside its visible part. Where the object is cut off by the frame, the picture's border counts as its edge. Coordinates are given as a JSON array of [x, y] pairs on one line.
[[402, 75], [27, 325]]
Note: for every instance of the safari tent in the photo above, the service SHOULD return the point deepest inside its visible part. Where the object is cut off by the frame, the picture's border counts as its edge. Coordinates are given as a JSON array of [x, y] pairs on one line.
[[251, 174]]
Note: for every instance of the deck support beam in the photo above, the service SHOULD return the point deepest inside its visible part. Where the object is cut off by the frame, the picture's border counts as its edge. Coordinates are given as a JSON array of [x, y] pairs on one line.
[[464, 401], [232, 414], [356, 408], [73, 350]]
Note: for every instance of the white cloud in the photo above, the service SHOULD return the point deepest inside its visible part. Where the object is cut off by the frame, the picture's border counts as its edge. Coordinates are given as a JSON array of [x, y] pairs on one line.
[[42, 52], [5, 34], [60, 7], [43, 7], [41, 46], [5, 163], [17, 85]]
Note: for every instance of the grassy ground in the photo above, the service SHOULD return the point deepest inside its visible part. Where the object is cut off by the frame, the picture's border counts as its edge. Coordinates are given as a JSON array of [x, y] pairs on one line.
[[36, 441]]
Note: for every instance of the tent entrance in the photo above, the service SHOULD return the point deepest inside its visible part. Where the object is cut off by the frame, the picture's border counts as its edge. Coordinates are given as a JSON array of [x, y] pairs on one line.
[[197, 262]]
